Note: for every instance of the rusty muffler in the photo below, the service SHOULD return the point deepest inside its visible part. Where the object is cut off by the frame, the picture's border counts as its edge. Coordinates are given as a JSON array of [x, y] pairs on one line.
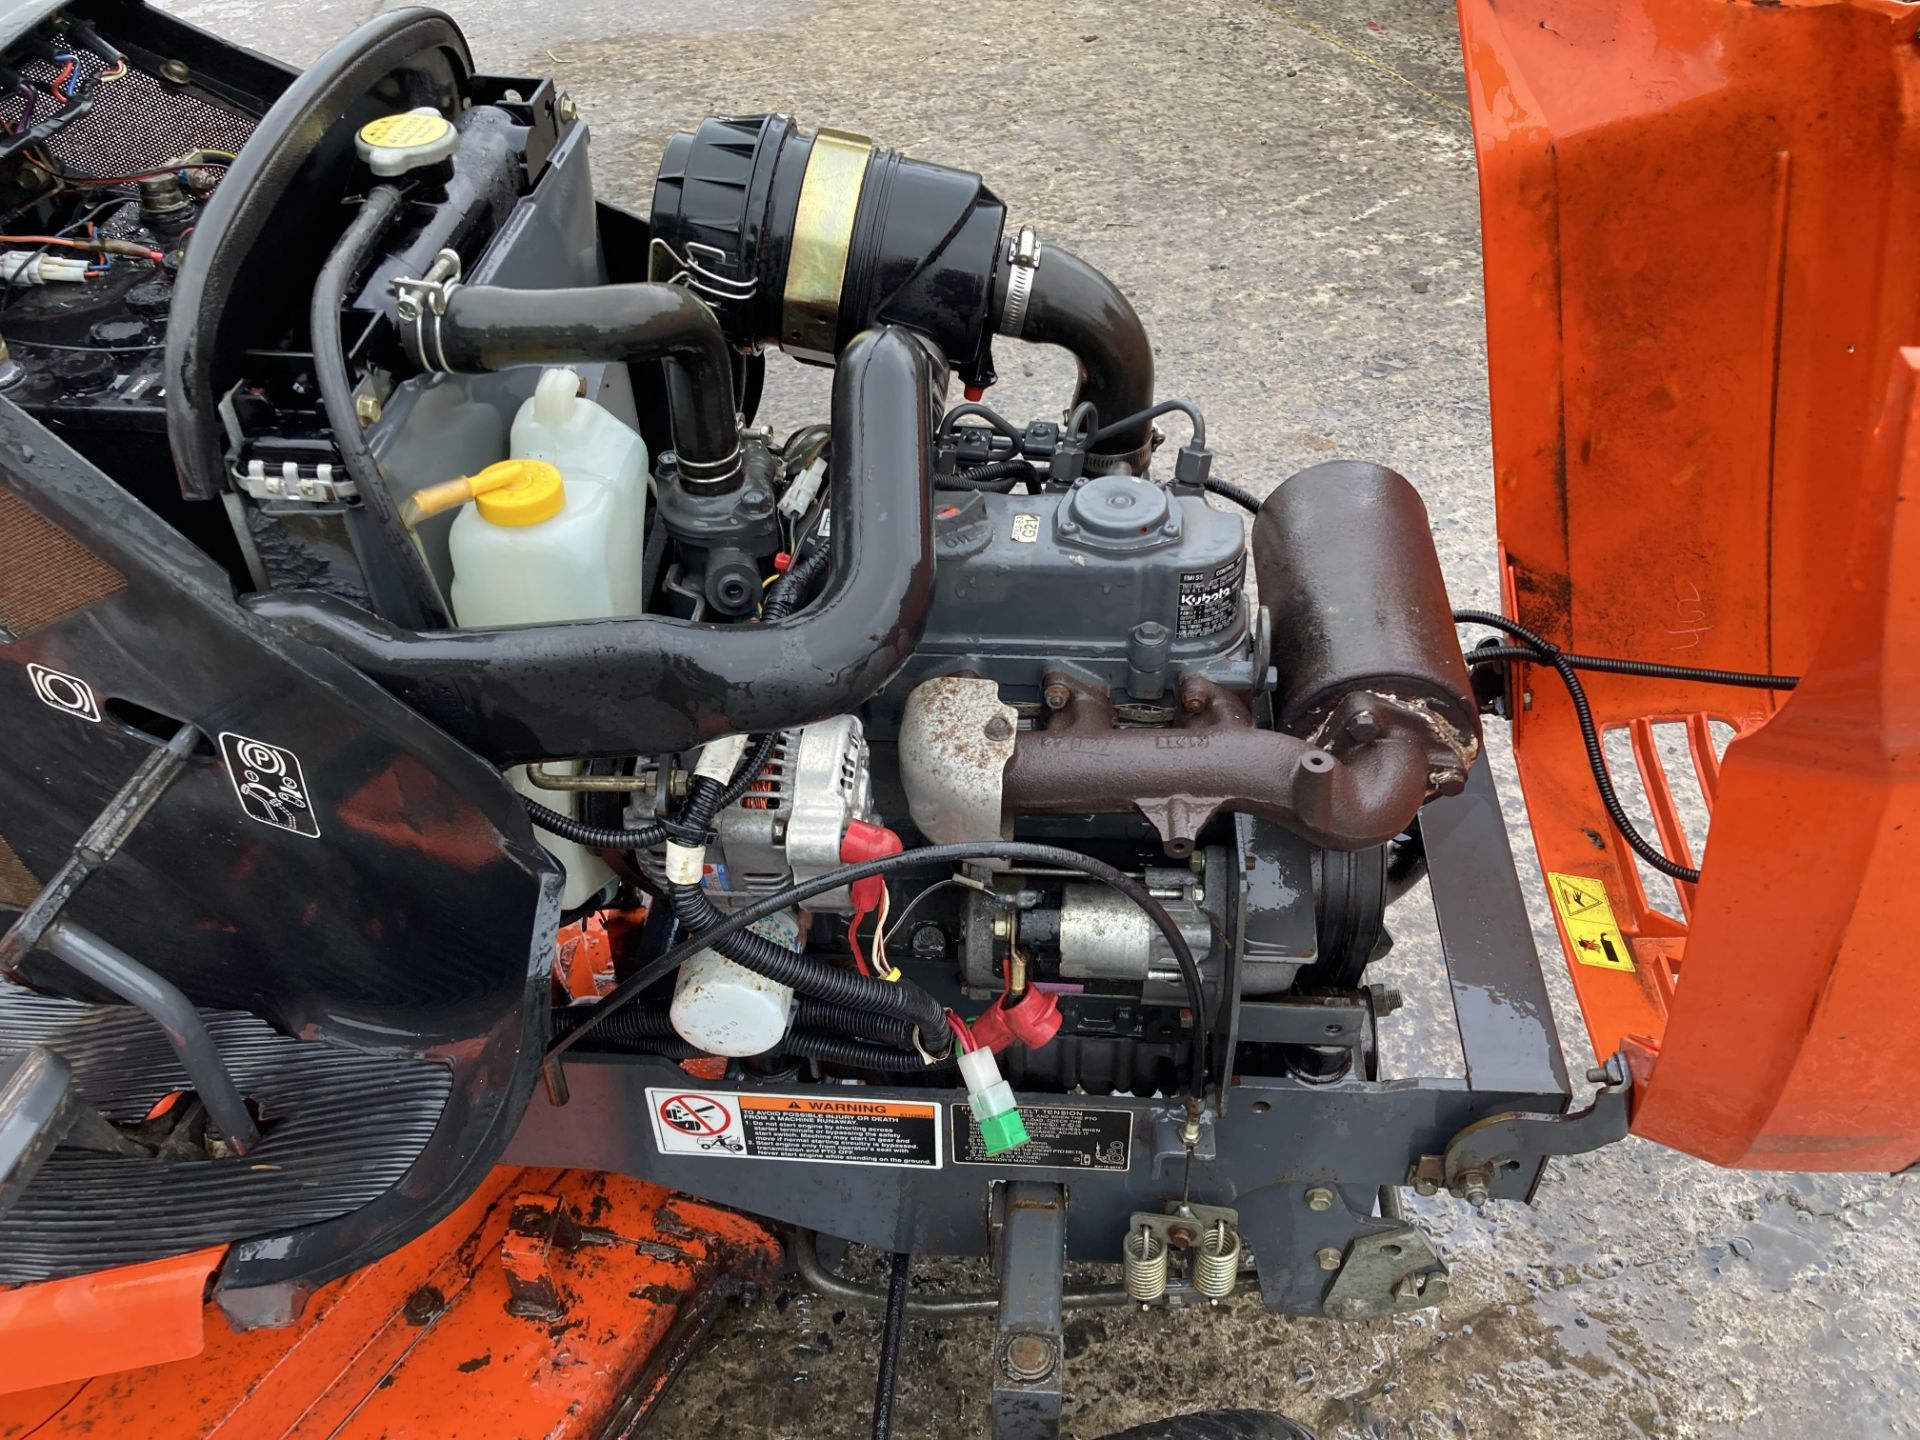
[[1373, 711]]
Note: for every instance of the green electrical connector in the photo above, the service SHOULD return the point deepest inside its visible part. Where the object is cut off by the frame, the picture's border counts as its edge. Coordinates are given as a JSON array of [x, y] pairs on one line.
[[992, 1100]]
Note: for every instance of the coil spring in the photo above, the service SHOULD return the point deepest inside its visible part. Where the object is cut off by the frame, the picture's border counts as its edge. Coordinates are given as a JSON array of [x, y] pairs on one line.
[[1145, 1254], [1216, 1261]]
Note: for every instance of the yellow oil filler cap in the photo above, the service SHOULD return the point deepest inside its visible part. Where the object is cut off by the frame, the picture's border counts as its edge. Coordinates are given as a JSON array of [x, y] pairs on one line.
[[396, 144], [519, 492]]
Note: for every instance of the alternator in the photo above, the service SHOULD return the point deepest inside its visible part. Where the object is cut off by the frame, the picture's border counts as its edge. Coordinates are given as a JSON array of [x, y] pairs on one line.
[[788, 826]]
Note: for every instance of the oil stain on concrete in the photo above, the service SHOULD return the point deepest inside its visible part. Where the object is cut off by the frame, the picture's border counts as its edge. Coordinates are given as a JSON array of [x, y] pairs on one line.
[[1287, 192]]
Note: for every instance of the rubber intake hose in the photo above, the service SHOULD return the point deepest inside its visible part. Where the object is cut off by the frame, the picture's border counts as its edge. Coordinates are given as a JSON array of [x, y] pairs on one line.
[[654, 684], [1350, 577], [798, 971], [1073, 305], [493, 327]]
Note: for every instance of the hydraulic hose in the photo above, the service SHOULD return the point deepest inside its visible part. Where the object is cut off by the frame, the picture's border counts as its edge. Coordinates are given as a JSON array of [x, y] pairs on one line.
[[402, 586], [1071, 304], [493, 327], [656, 684]]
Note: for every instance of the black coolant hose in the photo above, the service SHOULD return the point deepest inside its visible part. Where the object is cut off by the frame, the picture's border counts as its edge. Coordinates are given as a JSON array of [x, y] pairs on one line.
[[782, 599], [417, 597], [657, 684], [1073, 305], [494, 327], [799, 971]]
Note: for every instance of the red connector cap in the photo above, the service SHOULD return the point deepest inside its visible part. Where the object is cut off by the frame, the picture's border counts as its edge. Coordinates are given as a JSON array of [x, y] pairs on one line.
[[867, 842], [990, 1030], [1032, 1020]]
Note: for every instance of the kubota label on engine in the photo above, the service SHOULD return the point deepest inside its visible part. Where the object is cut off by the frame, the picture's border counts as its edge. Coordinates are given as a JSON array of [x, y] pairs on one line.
[[832, 1129], [1209, 599]]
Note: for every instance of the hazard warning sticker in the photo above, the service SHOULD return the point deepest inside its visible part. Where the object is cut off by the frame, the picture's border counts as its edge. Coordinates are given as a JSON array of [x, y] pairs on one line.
[[1588, 920], [753, 1126]]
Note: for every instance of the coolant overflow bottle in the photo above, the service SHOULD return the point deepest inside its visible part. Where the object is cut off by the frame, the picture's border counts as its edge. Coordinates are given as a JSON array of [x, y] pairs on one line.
[[549, 547]]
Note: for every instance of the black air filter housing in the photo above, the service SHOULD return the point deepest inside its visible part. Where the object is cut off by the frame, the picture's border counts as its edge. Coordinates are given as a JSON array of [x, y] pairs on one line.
[[803, 241]]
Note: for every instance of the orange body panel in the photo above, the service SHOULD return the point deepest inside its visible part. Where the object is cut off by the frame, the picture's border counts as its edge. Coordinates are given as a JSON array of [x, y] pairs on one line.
[[1698, 222], [138, 1314], [553, 1304]]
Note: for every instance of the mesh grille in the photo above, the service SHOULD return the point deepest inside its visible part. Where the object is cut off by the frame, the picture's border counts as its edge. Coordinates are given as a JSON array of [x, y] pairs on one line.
[[44, 572], [136, 123], [17, 885]]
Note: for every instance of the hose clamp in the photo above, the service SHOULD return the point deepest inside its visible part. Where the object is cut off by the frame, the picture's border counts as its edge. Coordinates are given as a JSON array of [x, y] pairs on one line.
[[422, 304], [822, 241], [1023, 258]]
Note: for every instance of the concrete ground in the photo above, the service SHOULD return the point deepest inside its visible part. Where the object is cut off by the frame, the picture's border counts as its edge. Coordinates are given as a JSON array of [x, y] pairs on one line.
[[1287, 192]]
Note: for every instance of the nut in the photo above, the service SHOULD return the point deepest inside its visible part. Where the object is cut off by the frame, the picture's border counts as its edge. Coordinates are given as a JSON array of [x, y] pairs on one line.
[[1328, 1257], [565, 110], [1472, 1187], [366, 409], [1319, 1197], [1056, 695], [1363, 727], [1002, 927]]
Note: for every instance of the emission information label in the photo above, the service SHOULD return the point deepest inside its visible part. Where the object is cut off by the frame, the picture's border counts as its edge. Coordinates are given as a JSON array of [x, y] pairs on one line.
[[752, 1126], [1066, 1138]]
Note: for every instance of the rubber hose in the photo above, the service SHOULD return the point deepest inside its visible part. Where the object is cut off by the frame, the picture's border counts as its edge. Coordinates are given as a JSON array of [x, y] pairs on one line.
[[820, 1018], [1072, 304], [786, 594], [997, 475], [793, 968], [415, 600], [1238, 494]]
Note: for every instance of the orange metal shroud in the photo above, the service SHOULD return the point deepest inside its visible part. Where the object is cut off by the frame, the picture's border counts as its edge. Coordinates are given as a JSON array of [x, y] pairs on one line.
[[553, 1305], [1700, 269]]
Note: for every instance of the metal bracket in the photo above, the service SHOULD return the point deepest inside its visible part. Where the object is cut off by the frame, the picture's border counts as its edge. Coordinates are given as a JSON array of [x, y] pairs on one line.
[[1479, 1154], [326, 485], [1030, 1346], [1387, 1272]]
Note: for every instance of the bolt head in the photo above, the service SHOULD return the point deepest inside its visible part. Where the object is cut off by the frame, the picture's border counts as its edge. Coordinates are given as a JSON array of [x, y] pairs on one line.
[[175, 72], [998, 728], [566, 110], [1319, 1197], [1028, 1357], [1425, 1186], [1363, 727], [1193, 704], [1328, 1257], [1056, 696], [1002, 927], [366, 409]]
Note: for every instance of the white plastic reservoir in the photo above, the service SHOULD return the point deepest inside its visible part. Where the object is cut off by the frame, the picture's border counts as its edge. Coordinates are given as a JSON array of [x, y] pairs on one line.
[[564, 544]]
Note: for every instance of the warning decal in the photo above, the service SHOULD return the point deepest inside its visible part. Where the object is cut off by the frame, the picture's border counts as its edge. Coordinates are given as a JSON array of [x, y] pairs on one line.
[[752, 1126], [1059, 1137], [1588, 920]]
